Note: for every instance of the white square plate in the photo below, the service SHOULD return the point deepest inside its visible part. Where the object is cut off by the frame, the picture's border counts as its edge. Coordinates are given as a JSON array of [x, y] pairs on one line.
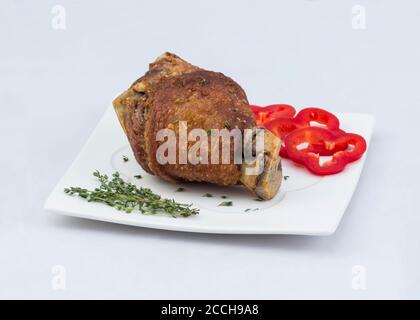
[[306, 205]]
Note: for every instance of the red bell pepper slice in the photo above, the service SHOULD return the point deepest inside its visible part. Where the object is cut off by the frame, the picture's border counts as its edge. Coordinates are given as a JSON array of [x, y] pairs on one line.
[[328, 149], [268, 113], [281, 127], [315, 136], [308, 115]]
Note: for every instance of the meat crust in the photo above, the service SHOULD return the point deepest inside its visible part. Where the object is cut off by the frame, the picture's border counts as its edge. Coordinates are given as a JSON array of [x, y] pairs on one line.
[[173, 91], [206, 100], [133, 105]]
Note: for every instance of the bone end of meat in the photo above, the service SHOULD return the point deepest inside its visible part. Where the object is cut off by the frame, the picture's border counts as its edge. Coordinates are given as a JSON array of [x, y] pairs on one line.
[[267, 183]]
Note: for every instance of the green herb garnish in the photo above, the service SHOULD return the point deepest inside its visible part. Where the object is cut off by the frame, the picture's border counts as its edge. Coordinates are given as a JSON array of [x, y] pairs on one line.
[[226, 204], [224, 197], [286, 177], [204, 81], [127, 197], [247, 210], [208, 195], [139, 176], [125, 158], [180, 190], [227, 124]]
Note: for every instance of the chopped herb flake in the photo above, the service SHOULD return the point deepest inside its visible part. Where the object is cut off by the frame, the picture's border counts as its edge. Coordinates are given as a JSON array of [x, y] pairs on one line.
[[204, 81], [227, 124], [226, 204]]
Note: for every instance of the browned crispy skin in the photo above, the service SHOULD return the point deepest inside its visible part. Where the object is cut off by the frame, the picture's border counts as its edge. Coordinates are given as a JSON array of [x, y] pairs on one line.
[[133, 105], [173, 90], [206, 100]]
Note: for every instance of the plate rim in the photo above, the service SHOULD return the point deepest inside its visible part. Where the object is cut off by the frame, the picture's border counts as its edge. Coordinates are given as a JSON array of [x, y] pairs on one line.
[[51, 207]]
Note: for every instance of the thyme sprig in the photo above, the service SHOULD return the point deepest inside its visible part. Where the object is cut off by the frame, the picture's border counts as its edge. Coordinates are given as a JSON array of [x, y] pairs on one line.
[[127, 197]]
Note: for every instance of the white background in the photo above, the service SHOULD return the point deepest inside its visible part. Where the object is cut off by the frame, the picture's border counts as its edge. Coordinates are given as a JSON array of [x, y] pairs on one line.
[[56, 84]]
